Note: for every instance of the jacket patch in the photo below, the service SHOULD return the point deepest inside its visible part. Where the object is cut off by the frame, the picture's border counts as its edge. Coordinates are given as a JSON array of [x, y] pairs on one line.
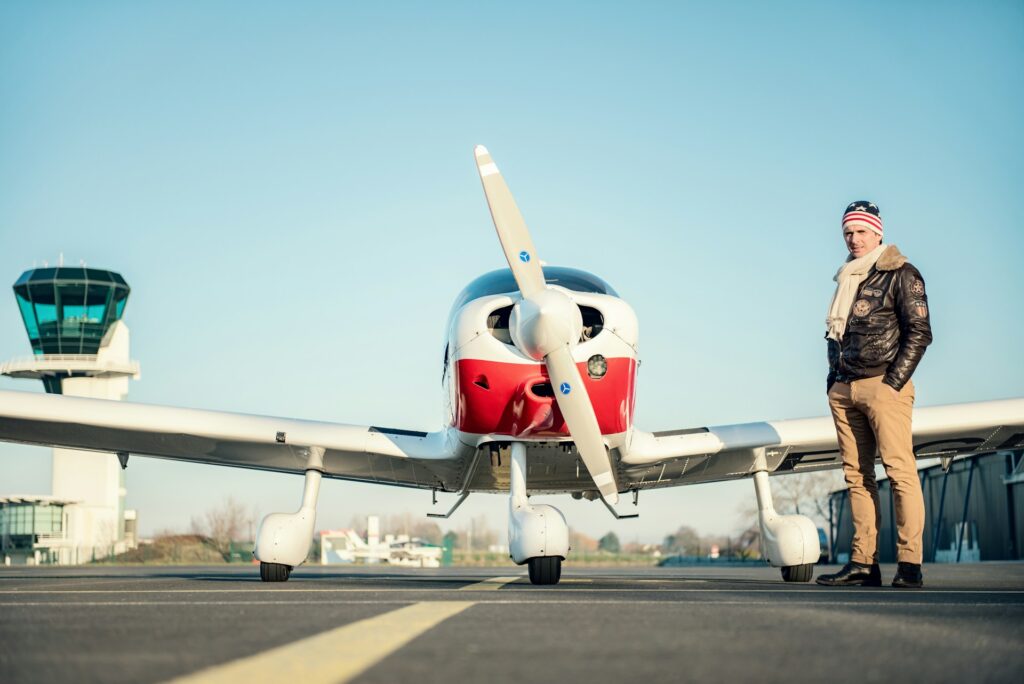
[[917, 289], [920, 308], [869, 292], [861, 307]]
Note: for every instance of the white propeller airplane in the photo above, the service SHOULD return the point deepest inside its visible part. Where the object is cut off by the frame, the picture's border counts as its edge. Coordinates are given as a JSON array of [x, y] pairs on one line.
[[540, 372]]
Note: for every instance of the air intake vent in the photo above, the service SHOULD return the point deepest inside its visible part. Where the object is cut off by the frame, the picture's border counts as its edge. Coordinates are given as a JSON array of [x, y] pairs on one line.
[[497, 323], [593, 323], [543, 389]]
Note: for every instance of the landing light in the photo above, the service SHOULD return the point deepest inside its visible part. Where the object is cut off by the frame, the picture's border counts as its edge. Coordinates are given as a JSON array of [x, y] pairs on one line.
[[597, 366]]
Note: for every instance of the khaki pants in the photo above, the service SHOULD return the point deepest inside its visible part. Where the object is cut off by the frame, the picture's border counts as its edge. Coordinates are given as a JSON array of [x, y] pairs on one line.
[[868, 415]]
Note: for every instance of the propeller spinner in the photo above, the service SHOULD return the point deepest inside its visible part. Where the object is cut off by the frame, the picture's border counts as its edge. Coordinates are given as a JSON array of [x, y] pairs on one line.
[[545, 325]]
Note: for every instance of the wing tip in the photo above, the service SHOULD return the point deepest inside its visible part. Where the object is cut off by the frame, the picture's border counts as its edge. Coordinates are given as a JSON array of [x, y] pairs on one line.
[[480, 151]]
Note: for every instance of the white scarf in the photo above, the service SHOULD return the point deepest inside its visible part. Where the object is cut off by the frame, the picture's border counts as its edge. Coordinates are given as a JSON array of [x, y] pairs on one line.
[[848, 279]]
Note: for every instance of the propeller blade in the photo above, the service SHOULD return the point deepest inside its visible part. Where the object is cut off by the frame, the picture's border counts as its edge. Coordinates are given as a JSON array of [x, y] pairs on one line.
[[550, 324], [512, 232], [574, 402]]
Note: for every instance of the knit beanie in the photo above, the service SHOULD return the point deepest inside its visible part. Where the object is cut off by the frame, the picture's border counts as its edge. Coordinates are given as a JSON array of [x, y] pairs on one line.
[[863, 213]]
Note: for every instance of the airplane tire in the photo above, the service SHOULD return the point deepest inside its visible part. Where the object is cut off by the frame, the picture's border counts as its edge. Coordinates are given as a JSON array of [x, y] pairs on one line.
[[798, 573], [545, 569], [274, 572]]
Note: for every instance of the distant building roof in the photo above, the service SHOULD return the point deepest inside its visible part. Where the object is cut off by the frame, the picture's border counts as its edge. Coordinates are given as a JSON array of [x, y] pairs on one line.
[[39, 499]]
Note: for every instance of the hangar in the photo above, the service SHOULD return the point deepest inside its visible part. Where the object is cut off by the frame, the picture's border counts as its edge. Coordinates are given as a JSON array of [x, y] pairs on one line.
[[974, 511]]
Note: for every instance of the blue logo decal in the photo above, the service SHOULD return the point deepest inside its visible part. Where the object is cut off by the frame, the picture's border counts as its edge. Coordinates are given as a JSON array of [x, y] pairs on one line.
[[524, 256], [565, 388]]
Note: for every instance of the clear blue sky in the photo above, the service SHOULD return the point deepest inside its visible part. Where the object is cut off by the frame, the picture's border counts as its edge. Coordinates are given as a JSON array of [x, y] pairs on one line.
[[289, 189]]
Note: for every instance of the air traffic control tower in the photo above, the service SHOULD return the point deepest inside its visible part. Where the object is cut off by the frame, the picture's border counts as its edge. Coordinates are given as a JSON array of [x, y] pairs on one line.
[[80, 348]]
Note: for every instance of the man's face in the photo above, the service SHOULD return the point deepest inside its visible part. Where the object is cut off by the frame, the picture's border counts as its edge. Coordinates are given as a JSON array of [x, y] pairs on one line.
[[860, 240]]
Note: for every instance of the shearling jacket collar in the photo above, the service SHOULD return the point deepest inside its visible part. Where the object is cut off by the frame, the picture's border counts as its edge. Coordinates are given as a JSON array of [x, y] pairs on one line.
[[890, 260]]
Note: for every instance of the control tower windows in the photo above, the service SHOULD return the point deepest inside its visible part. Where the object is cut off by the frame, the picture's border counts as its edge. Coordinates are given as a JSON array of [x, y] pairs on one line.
[[69, 310]]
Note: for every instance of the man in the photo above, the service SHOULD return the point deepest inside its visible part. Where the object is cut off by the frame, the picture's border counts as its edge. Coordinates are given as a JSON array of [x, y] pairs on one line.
[[878, 329]]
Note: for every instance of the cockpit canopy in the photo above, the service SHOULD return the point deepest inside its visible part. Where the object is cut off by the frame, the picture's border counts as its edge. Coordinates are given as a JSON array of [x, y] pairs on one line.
[[502, 282]]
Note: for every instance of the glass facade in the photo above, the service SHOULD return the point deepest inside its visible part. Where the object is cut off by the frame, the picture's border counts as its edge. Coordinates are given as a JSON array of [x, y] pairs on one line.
[[26, 526], [69, 310], [29, 519]]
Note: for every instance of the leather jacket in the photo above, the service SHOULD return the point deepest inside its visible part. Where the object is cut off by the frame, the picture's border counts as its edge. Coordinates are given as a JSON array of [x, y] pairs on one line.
[[888, 328]]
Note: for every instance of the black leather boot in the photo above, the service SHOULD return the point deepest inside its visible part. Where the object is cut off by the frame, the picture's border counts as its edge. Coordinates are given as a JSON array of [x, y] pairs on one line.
[[908, 576], [853, 575]]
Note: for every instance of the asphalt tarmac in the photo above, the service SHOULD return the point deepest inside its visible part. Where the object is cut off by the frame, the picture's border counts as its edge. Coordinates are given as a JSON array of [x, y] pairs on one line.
[[221, 624]]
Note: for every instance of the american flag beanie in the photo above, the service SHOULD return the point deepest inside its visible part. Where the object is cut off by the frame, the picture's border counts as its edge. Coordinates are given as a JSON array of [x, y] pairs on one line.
[[863, 213]]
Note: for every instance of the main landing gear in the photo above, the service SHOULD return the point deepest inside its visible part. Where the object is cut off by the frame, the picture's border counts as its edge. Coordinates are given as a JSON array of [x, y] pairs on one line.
[[789, 542], [283, 540], [537, 535]]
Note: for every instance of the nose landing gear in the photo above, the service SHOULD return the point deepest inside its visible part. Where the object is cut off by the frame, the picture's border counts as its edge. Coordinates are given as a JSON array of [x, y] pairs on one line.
[[537, 535]]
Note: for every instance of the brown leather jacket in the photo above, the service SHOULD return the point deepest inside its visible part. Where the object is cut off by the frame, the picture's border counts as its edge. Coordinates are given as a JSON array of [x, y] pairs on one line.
[[888, 328]]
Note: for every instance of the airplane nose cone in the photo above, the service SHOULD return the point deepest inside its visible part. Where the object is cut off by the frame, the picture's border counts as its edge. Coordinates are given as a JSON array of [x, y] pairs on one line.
[[544, 322]]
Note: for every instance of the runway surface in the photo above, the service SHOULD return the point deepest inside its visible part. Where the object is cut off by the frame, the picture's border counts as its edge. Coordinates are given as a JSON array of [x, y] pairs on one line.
[[219, 624]]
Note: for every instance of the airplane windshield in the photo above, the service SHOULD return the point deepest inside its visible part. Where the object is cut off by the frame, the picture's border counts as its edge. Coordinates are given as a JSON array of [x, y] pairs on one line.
[[502, 282]]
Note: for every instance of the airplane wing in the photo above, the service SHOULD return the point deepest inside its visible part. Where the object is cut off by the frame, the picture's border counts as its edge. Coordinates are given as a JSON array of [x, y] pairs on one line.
[[726, 452], [352, 452]]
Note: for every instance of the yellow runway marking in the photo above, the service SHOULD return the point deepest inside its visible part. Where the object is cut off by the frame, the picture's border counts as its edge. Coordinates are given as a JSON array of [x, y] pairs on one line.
[[334, 656], [492, 584]]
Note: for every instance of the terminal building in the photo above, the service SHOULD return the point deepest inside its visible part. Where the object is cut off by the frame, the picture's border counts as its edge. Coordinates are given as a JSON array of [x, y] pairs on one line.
[[80, 347]]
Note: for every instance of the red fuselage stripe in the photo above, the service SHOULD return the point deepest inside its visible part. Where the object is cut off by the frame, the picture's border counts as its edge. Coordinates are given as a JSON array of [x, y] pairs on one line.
[[494, 397]]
